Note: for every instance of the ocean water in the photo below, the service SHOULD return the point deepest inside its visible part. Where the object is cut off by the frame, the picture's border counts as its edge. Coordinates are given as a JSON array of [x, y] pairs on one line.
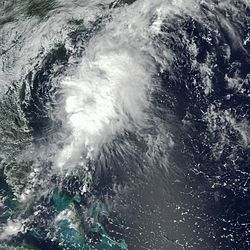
[[124, 124]]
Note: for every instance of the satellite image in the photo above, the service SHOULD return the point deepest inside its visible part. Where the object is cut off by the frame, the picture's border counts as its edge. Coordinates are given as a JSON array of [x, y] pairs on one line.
[[124, 124]]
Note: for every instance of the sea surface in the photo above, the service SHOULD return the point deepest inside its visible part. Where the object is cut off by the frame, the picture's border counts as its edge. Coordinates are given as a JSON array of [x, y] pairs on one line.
[[124, 125]]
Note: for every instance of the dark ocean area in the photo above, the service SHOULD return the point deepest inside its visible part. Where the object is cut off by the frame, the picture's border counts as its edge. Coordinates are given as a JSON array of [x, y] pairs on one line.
[[124, 125]]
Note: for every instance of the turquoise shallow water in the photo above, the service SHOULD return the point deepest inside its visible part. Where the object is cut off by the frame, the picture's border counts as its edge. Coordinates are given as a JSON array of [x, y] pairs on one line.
[[124, 124]]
